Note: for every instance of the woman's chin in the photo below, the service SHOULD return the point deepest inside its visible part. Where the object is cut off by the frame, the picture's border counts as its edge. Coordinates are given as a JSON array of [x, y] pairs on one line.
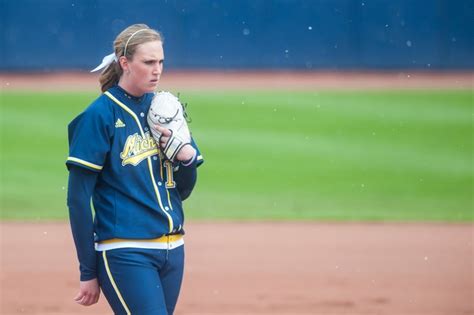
[[153, 86]]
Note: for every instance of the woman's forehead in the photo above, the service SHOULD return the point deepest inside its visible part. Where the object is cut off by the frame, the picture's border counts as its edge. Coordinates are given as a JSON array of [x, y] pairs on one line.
[[151, 50]]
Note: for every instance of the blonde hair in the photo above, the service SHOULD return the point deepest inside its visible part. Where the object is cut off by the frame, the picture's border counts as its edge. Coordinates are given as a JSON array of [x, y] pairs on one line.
[[126, 44]]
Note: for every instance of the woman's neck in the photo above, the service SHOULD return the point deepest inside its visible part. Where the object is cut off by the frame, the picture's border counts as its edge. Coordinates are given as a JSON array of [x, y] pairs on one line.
[[128, 94], [129, 89]]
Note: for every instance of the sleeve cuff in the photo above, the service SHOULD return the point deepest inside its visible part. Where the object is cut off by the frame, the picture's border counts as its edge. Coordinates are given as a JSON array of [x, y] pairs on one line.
[[87, 275], [75, 161], [199, 160]]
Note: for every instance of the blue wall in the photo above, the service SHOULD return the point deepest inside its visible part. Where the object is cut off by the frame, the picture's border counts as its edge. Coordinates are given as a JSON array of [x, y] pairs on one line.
[[42, 35]]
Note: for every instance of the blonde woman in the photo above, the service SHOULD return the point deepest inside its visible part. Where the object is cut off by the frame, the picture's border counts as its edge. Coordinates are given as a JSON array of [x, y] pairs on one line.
[[133, 248]]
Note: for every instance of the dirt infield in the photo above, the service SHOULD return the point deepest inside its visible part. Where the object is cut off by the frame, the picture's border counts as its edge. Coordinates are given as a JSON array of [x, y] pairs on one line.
[[291, 80], [267, 268]]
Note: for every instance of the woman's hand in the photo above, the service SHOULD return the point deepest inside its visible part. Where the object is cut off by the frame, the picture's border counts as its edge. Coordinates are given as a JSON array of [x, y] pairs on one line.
[[185, 154], [89, 292]]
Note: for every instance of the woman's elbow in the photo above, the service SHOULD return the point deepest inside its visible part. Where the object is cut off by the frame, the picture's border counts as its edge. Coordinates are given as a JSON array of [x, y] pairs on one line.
[[185, 193]]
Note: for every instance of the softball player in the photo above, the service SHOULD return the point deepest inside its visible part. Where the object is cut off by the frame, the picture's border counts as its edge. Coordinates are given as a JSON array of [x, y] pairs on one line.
[[133, 248]]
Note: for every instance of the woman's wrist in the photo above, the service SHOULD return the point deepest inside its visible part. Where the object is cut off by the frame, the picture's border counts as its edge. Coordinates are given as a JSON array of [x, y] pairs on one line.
[[190, 160]]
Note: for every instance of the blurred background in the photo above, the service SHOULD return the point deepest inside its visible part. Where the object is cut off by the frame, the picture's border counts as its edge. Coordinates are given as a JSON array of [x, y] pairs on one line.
[[257, 34], [302, 149]]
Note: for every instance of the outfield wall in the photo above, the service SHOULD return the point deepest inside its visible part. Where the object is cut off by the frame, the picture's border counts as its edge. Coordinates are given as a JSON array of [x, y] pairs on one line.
[[245, 34]]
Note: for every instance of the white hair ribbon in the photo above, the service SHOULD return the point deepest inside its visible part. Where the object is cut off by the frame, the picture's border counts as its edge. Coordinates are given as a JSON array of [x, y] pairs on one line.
[[106, 62]]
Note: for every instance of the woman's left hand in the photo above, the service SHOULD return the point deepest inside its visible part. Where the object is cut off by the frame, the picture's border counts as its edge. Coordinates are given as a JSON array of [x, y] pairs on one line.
[[89, 292], [185, 154]]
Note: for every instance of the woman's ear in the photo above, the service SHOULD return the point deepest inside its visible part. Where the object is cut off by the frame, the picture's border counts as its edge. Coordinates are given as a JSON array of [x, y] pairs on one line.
[[124, 64]]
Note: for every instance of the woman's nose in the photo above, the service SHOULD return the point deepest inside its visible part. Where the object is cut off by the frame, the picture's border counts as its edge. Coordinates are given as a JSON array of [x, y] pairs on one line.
[[158, 69]]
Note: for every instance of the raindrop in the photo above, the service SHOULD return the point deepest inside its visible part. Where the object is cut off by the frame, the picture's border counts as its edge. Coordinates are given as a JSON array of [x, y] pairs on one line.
[[409, 43], [362, 3], [386, 25], [286, 51], [310, 28], [246, 31]]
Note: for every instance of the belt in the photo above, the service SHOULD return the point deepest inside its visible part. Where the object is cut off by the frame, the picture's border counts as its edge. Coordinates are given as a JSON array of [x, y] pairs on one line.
[[163, 239], [164, 242]]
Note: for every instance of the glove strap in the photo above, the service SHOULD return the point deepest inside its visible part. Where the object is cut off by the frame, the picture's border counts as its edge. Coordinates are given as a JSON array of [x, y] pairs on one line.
[[173, 146]]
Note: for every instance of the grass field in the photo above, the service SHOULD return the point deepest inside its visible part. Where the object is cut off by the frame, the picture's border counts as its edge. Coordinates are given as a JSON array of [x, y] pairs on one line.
[[385, 155]]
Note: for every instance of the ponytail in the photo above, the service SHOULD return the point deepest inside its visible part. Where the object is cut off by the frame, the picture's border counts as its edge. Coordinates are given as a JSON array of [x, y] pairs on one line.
[[110, 76]]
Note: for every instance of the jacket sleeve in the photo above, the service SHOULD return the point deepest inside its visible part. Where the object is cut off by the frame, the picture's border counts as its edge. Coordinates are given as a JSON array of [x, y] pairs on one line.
[[185, 178], [80, 188], [186, 175]]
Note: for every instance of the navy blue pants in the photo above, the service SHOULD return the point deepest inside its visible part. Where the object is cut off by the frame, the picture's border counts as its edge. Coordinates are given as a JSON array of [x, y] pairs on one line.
[[141, 281]]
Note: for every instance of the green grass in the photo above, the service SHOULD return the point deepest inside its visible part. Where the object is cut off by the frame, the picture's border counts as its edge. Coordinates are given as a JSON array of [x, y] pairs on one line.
[[279, 155]]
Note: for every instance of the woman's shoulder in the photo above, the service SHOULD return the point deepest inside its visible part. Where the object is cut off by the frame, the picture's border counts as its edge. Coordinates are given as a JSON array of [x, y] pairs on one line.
[[100, 109], [101, 102], [100, 106]]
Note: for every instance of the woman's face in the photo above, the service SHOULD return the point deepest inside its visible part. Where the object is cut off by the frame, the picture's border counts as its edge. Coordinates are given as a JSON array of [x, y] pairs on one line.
[[142, 74]]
